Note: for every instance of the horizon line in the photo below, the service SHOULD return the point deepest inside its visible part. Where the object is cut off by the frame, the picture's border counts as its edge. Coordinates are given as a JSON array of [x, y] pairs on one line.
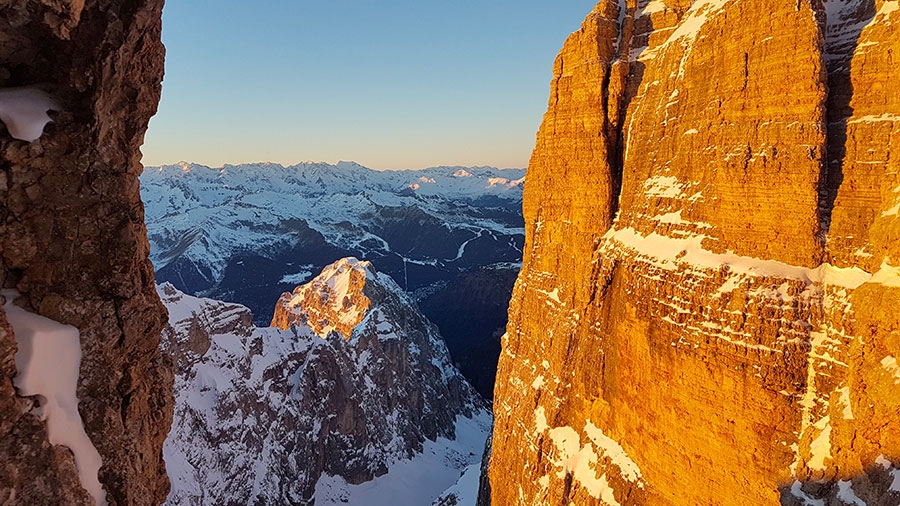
[[335, 164]]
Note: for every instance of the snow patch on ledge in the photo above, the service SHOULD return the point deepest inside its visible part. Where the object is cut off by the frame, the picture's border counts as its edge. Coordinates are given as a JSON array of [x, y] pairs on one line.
[[872, 118], [847, 495], [48, 361], [664, 186], [669, 253], [687, 31], [888, 7], [890, 365], [582, 462], [614, 451], [24, 111], [695, 18], [820, 447], [651, 7], [887, 275]]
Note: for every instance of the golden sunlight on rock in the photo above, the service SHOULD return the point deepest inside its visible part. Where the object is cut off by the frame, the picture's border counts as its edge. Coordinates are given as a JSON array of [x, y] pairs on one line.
[[706, 314]]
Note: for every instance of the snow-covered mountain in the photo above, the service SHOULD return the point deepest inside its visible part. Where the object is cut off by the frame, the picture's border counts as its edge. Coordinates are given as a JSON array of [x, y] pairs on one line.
[[249, 233], [372, 412]]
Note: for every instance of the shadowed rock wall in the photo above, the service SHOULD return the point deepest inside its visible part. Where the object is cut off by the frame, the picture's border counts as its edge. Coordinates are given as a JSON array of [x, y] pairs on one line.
[[72, 240]]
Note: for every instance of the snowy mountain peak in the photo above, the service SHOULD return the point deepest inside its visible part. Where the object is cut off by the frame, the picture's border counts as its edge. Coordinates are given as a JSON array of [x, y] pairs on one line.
[[270, 416], [333, 301], [502, 181], [344, 164]]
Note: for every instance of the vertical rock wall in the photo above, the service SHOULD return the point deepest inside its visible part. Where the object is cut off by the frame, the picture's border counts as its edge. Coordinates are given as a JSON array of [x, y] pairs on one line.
[[704, 314], [72, 240]]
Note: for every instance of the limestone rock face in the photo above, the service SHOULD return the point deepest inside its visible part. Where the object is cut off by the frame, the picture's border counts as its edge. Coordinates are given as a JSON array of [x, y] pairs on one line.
[[72, 239], [704, 314]]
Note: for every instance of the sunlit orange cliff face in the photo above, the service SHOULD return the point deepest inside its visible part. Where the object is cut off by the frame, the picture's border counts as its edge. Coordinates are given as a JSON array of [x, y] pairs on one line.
[[707, 310]]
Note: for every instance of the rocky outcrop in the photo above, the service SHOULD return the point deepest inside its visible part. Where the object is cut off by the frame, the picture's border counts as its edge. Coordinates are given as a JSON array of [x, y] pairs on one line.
[[265, 415], [72, 239], [334, 301], [711, 240]]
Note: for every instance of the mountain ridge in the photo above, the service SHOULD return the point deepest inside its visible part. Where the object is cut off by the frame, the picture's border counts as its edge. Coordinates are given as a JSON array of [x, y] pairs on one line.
[[199, 218], [247, 234], [301, 415]]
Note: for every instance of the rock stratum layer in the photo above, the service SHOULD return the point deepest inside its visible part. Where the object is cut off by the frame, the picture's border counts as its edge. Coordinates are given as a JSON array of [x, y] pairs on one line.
[[706, 312], [72, 239]]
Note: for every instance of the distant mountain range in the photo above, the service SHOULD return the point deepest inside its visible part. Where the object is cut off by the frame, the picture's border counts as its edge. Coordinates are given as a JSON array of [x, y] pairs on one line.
[[248, 233]]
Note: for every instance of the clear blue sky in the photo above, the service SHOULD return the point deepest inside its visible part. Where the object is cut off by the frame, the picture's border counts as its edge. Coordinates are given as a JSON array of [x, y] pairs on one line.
[[390, 84]]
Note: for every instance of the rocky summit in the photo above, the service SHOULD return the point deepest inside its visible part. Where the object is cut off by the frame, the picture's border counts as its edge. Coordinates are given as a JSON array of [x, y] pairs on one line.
[[348, 403], [706, 314]]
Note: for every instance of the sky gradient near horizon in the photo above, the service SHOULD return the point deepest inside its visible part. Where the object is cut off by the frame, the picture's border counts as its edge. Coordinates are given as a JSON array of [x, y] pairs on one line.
[[391, 85]]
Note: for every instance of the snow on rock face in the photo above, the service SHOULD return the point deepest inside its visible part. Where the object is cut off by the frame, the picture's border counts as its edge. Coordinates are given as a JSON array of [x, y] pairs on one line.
[[731, 288], [48, 363], [79, 179], [291, 416], [24, 111]]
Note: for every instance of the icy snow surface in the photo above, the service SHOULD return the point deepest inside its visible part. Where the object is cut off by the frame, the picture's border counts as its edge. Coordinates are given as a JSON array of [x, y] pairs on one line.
[[48, 361], [417, 481], [466, 489]]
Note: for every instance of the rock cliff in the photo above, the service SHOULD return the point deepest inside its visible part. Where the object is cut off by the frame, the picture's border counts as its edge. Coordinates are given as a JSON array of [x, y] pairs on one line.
[[705, 310], [353, 401], [72, 240]]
